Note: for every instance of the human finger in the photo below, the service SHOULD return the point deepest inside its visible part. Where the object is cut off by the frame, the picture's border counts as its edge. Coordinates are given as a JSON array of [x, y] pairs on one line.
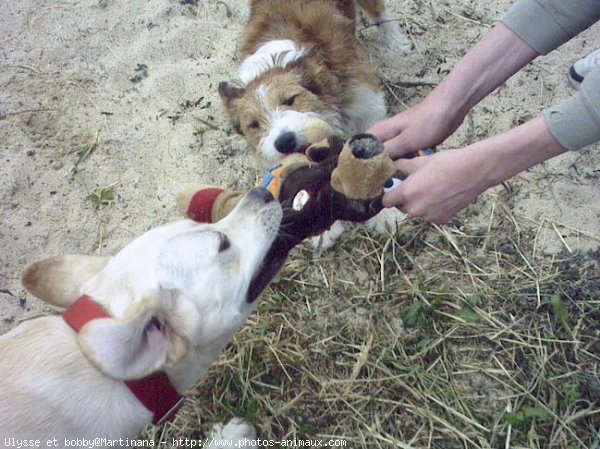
[[387, 129], [409, 166], [394, 198], [399, 146]]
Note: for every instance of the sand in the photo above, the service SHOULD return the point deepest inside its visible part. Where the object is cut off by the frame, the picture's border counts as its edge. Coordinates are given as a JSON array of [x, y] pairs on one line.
[[107, 107]]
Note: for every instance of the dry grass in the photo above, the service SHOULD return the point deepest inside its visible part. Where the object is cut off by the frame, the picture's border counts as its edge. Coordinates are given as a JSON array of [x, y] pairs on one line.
[[437, 337]]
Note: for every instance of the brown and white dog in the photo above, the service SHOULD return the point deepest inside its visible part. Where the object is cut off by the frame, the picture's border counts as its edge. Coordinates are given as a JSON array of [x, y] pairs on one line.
[[301, 62], [170, 300]]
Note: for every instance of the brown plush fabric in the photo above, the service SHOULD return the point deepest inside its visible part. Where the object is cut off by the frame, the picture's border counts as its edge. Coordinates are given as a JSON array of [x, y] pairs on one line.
[[314, 190], [361, 178]]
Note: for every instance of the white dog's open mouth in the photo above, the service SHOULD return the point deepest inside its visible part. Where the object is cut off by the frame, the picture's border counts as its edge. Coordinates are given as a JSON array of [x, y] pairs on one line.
[[270, 266]]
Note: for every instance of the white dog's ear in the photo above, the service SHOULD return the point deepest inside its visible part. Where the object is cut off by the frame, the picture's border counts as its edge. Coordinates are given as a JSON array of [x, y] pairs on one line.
[[58, 280], [143, 342]]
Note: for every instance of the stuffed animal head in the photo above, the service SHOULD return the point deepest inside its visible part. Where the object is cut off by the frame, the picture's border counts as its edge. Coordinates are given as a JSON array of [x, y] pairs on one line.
[[333, 180]]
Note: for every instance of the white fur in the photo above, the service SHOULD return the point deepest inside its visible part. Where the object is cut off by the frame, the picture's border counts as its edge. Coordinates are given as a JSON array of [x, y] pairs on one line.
[[262, 94], [277, 53], [328, 238], [281, 120], [392, 36], [366, 109], [386, 221], [58, 384], [235, 431]]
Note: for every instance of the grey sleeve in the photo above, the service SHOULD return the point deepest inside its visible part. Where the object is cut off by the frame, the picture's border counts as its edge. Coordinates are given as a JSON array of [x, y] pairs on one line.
[[547, 24], [575, 123]]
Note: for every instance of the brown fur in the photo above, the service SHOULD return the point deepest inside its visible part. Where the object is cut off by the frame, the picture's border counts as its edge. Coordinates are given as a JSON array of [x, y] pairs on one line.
[[315, 24]]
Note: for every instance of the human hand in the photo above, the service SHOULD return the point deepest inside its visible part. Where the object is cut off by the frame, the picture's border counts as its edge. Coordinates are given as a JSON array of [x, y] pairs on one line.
[[440, 185], [423, 126]]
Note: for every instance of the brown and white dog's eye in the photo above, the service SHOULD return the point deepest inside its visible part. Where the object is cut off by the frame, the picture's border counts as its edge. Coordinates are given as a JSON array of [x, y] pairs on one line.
[[289, 101], [254, 125]]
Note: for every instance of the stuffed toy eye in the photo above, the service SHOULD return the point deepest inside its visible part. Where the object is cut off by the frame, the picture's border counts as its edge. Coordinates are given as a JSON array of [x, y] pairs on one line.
[[391, 184], [300, 200]]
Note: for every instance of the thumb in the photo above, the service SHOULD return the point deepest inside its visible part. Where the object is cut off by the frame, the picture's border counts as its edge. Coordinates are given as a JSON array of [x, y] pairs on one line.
[[397, 197]]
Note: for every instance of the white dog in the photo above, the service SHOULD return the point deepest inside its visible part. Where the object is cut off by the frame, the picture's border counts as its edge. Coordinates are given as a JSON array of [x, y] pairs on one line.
[[168, 303]]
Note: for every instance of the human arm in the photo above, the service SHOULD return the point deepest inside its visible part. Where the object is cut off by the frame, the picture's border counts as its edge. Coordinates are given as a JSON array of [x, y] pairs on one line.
[[529, 28], [493, 60], [441, 185]]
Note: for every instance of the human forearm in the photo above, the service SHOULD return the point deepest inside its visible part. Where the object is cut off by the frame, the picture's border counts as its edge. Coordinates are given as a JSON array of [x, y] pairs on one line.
[[487, 65], [493, 60], [517, 150]]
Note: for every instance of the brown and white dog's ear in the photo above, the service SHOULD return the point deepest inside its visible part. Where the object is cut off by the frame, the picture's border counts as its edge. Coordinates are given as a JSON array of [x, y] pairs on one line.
[[143, 342], [58, 280], [230, 93]]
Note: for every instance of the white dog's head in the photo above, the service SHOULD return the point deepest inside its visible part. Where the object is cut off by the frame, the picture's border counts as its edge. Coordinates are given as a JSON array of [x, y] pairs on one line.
[[177, 290]]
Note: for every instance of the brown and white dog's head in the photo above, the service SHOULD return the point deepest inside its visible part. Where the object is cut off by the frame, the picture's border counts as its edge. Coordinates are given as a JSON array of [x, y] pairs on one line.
[[281, 90], [178, 291]]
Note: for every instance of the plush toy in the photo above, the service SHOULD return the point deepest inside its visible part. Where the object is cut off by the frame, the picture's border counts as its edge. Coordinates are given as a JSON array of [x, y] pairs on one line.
[[331, 181]]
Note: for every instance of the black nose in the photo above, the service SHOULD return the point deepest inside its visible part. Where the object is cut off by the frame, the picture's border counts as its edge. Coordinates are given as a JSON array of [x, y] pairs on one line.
[[365, 146], [261, 194], [286, 143]]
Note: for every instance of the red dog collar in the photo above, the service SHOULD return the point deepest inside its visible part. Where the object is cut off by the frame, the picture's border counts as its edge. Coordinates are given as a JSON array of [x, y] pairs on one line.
[[156, 391]]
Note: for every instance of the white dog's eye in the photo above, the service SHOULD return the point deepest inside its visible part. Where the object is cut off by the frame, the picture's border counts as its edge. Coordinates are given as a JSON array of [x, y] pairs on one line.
[[254, 125], [391, 184], [224, 243]]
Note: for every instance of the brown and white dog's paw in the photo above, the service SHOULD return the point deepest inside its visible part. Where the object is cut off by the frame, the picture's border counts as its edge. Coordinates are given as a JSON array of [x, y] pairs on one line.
[[326, 240], [392, 36], [386, 221]]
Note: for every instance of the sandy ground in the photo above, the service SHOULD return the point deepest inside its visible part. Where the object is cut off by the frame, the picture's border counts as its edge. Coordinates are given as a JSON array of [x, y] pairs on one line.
[[122, 96]]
